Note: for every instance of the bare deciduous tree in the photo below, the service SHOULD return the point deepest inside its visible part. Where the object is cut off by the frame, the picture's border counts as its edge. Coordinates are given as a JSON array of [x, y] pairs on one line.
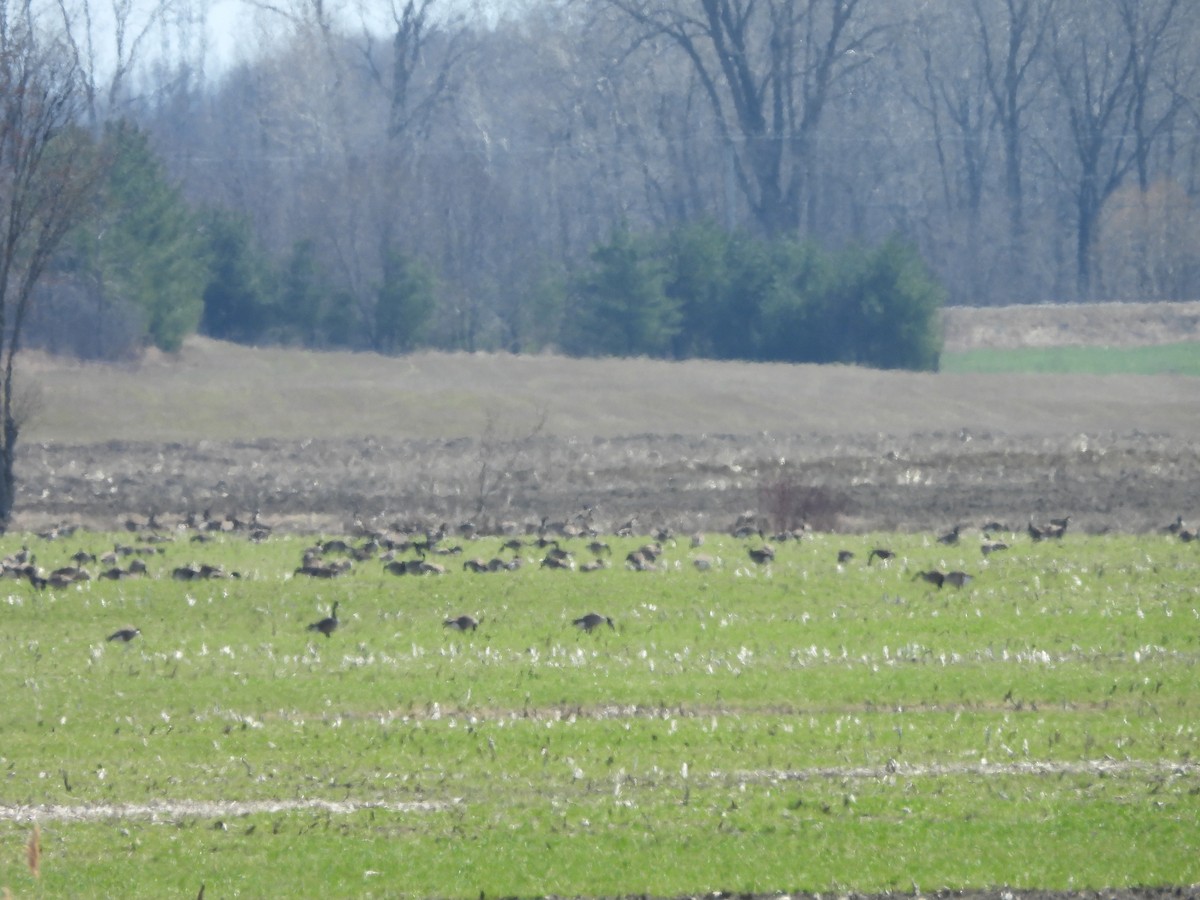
[[47, 170], [768, 70], [1105, 63]]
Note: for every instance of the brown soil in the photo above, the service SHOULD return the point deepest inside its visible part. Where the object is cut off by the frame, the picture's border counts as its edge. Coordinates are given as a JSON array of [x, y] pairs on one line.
[[322, 441]]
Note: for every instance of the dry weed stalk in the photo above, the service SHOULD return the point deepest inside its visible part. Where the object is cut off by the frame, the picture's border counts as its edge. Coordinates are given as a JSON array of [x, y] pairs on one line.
[[501, 454], [33, 851]]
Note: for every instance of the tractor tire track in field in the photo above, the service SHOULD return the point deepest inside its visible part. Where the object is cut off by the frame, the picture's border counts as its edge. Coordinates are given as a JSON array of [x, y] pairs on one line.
[[172, 810]]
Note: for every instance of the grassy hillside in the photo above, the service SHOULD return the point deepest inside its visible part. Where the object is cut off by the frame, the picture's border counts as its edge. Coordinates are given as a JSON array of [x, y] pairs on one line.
[[221, 391]]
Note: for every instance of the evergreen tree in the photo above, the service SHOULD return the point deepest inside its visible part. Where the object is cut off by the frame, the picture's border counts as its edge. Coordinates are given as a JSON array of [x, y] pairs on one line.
[[884, 310], [618, 304], [301, 290], [147, 246], [791, 307], [404, 304], [237, 298]]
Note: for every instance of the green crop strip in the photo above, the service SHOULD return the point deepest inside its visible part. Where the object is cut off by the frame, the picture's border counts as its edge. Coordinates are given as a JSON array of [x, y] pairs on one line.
[[800, 725]]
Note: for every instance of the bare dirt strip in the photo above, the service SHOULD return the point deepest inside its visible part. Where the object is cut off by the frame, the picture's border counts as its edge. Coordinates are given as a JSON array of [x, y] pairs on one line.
[[174, 810]]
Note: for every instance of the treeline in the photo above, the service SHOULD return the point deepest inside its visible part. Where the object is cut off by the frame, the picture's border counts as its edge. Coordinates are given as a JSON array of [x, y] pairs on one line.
[[443, 180], [147, 269]]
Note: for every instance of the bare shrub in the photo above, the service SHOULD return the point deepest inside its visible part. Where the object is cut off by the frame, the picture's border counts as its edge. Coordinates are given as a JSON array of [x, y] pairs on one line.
[[501, 454], [789, 505]]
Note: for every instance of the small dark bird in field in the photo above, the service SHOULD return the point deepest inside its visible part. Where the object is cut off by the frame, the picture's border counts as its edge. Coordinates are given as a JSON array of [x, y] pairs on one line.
[[124, 635], [762, 555], [881, 553], [592, 621], [958, 579], [935, 577], [951, 536], [844, 556], [462, 623], [329, 624]]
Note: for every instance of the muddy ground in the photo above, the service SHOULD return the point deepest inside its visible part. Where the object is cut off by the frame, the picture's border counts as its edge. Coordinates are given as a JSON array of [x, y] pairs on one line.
[[1131, 482], [322, 442]]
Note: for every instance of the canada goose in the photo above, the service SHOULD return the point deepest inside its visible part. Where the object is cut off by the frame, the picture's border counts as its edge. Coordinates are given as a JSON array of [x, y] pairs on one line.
[[329, 624], [882, 553], [557, 552], [703, 562], [592, 621], [958, 579], [763, 554], [992, 547], [651, 551], [557, 562], [1055, 528], [594, 566], [951, 536], [69, 574], [476, 564], [639, 561], [598, 547], [317, 571], [844, 556], [935, 578], [1175, 527], [124, 635], [462, 623]]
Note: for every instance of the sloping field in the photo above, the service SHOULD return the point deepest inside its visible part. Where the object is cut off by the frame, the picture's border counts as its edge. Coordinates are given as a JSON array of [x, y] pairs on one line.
[[317, 439], [1070, 325], [217, 391]]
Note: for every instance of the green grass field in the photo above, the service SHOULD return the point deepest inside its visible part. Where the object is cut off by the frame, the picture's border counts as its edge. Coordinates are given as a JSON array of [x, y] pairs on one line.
[[797, 726], [1164, 359]]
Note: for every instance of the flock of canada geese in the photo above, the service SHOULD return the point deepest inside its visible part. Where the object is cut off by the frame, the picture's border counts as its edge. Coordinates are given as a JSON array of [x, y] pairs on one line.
[[332, 558]]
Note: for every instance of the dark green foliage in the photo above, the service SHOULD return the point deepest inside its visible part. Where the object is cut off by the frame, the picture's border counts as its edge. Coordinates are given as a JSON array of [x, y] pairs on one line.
[[883, 310], [617, 304], [147, 247], [791, 309], [701, 292], [700, 281], [404, 304], [237, 298], [301, 289]]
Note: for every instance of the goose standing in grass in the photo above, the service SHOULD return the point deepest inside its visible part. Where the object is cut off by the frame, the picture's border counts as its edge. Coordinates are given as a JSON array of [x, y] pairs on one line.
[[951, 536], [958, 579], [329, 624], [936, 578], [124, 635], [592, 621], [462, 623], [762, 555], [882, 553]]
